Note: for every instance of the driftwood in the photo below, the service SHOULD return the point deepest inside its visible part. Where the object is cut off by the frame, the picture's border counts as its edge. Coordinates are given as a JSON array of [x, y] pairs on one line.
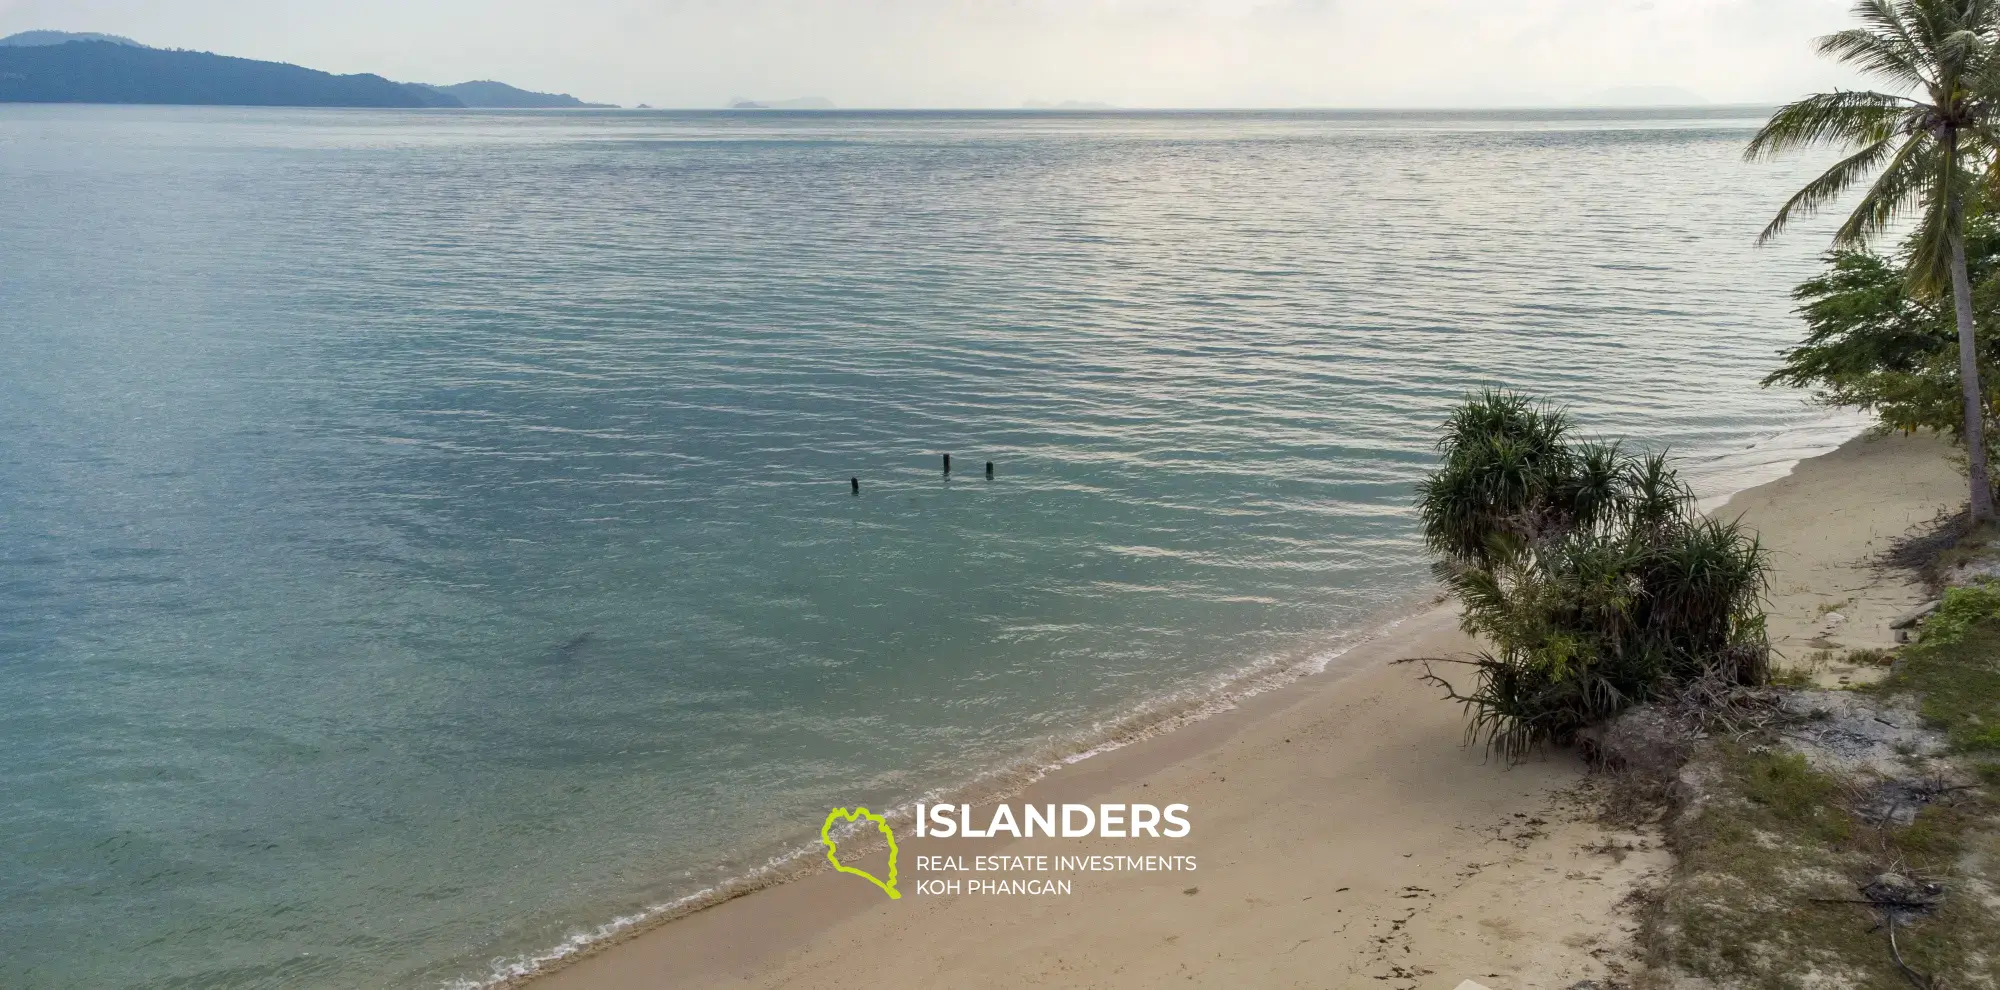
[[1894, 894], [1922, 982]]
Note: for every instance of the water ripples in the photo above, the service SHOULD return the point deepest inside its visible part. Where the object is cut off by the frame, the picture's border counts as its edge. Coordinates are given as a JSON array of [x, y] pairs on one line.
[[427, 535]]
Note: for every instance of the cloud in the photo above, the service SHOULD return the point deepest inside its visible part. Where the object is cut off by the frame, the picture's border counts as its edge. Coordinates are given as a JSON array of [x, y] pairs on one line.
[[1192, 53]]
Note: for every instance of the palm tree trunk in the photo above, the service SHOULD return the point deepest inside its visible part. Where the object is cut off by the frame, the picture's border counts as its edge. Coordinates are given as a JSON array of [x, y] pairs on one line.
[[1968, 344]]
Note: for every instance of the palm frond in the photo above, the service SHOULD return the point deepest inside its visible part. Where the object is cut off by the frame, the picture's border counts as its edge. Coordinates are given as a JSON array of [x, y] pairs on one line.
[[1874, 52], [1844, 174], [1906, 175], [1882, 18], [1928, 266], [1890, 17], [1955, 39], [1929, 22], [1847, 117]]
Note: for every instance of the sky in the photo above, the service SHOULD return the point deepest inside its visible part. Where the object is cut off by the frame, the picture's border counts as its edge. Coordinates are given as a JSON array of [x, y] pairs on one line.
[[1004, 53]]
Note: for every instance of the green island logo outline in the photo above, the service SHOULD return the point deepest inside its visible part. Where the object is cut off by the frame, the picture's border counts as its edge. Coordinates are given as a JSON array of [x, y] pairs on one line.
[[832, 855]]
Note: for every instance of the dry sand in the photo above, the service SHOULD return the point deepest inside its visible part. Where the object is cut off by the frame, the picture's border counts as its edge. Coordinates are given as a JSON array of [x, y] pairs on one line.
[[1345, 836], [1827, 525]]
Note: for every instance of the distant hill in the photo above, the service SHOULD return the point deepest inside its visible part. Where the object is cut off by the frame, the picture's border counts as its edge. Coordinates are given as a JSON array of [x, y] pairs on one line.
[[33, 39], [68, 67], [110, 72], [802, 103], [487, 93]]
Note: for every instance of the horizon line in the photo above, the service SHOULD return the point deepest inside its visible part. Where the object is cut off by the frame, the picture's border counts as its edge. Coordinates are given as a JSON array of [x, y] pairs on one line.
[[1435, 108]]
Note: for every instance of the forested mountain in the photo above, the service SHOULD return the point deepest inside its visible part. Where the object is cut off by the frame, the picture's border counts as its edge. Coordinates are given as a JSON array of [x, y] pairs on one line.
[[64, 67], [109, 72]]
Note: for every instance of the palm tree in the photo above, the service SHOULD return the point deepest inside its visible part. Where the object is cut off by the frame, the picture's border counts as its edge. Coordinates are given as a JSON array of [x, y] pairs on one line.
[[1925, 150]]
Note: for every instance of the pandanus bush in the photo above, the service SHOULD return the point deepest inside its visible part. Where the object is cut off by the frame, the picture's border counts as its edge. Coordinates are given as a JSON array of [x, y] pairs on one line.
[[1586, 569]]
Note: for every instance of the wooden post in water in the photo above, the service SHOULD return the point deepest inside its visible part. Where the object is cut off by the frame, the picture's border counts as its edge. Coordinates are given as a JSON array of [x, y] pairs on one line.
[[856, 482], [989, 470], [947, 465]]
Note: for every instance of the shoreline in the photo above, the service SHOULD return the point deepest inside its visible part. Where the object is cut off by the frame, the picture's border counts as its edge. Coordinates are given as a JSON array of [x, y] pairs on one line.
[[1151, 720], [705, 947], [784, 920]]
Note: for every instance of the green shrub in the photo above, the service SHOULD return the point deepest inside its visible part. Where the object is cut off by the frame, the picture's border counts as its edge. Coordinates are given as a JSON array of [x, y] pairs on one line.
[[1962, 608], [1874, 344], [1955, 668], [1588, 570]]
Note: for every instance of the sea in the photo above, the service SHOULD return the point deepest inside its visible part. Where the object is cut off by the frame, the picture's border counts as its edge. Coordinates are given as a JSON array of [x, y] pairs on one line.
[[429, 543]]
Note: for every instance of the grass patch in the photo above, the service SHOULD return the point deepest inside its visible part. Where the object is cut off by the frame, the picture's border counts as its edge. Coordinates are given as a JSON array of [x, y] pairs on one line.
[[1936, 839], [1769, 858], [1796, 797], [1806, 673], [1871, 658], [1955, 668], [1741, 909], [1773, 853]]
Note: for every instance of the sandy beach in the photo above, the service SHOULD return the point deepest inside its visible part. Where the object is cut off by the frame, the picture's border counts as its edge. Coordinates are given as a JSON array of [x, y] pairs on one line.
[[1345, 835], [1826, 524]]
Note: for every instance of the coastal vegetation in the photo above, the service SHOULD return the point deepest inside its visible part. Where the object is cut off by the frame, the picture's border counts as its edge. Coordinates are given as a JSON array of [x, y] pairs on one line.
[[1955, 669], [1929, 154], [1847, 838], [1873, 344], [1787, 879], [1852, 837], [1587, 569], [1821, 837]]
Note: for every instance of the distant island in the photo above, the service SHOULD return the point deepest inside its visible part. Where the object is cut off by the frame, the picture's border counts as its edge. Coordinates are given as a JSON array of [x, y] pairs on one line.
[[62, 67], [1067, 105], [801, 103], [487, 93]]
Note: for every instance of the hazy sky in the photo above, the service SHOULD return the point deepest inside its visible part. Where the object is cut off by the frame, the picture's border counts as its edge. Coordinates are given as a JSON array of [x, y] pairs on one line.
[[1000, 53]]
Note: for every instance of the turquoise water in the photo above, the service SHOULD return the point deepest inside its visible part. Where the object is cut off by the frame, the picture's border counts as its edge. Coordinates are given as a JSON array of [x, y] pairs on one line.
[[425, 537]]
